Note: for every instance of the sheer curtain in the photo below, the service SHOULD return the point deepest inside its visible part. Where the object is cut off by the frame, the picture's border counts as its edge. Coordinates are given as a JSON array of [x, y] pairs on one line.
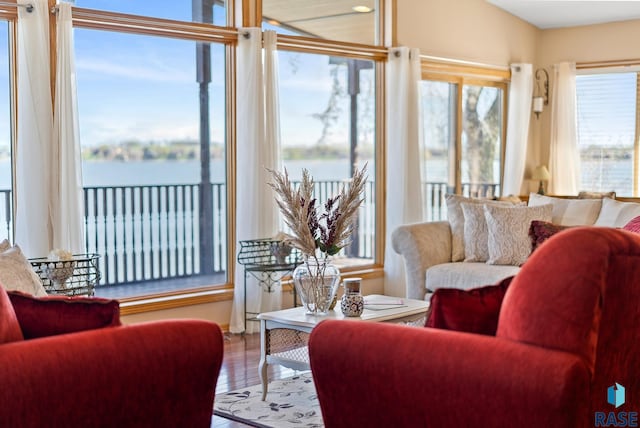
[[258, 143], [35, 125], [519, 114], [404, 193], [564, 158], [66, 163]]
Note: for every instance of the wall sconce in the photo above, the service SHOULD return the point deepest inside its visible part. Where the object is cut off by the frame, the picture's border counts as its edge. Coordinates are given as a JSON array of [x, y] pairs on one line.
[[541, 98]]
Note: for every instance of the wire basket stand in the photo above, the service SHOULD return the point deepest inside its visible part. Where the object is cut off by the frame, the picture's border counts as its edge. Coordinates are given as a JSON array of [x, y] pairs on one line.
[[268, 261], [75, 277]]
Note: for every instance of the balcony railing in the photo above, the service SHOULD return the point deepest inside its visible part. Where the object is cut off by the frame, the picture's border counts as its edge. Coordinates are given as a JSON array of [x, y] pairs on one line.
[[151, 233]]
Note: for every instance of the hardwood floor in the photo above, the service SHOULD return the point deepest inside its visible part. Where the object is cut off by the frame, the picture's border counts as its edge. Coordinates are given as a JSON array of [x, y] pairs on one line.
[[240, 369]]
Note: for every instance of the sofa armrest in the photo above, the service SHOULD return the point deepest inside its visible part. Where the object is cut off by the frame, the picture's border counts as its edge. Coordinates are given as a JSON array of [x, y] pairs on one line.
[[412, 377], [53, 315], [422, 245], [159, 374]]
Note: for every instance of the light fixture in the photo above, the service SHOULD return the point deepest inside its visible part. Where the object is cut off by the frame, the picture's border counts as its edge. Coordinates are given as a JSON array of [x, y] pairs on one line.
[[541, 174], [541, 96], [362, 9]]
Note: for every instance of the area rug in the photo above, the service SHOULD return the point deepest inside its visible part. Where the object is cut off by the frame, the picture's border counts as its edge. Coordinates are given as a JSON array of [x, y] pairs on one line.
[[290, 402]]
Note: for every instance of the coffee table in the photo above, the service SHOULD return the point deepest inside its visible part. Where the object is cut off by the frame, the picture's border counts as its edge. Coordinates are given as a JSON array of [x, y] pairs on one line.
[[284, 334]]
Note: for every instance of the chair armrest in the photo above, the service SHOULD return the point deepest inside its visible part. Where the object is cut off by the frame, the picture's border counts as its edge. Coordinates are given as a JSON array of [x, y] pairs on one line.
[[53, 315], [410, 377], [158, 374], [422, 245]]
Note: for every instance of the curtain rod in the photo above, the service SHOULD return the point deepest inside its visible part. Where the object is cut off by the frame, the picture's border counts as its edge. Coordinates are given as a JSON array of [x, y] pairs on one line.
[[28, 6]]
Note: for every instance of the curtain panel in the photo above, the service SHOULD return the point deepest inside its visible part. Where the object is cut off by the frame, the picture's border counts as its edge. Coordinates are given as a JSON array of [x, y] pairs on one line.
[[564, 158], [403, 182], [257, 149], [518, 118]]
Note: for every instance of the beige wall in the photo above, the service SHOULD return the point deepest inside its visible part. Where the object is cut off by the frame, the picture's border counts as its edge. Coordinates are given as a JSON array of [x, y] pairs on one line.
[[471, 30]]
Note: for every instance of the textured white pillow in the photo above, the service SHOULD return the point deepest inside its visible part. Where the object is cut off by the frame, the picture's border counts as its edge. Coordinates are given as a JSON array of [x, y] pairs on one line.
[[617, 214], [569, 212], [475, 233], [508, 232], [17, 274], [4, 245], [455, 216]]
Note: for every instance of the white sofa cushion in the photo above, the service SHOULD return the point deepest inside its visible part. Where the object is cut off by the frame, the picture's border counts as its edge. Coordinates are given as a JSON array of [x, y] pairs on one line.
[[508, 232], [569, 212], [617, 214], [465, 276]]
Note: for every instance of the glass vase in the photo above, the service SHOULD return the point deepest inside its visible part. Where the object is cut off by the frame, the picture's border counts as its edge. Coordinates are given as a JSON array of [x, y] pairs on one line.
[[316, 282]]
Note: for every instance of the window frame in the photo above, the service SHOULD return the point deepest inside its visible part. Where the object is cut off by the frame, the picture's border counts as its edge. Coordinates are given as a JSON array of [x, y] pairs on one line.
[[464, 74]]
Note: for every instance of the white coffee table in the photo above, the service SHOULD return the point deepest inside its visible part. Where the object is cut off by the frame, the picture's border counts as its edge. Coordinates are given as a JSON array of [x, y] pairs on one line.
[[284, 334]]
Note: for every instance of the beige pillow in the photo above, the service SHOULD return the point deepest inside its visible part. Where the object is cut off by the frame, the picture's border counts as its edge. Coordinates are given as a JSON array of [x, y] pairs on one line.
[[475, 233], [508, 232], [617, 214], [17, 274], [569, 212], [455, 216], [4, 245]]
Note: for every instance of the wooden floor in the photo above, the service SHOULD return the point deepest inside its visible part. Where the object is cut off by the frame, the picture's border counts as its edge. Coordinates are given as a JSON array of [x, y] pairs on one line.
[[240, 369]]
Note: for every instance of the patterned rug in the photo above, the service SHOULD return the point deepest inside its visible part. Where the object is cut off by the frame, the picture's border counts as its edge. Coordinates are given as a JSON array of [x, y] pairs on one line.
[[290, 402]]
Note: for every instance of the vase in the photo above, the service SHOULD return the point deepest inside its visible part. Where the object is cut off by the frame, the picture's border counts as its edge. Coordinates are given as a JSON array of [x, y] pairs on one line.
[[316, 282], [352, 304]]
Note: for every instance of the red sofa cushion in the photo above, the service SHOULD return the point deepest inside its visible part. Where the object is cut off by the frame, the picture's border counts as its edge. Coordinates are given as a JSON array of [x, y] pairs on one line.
[[471, 311], [633, 225], [52, 315], [540, 231], [9, 326]]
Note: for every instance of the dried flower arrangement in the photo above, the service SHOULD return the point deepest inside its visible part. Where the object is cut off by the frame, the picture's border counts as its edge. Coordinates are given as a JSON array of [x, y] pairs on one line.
[[329, 231]]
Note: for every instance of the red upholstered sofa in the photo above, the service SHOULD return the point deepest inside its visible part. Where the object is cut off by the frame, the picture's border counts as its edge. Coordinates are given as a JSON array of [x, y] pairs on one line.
[[69, 363], [568, 330]]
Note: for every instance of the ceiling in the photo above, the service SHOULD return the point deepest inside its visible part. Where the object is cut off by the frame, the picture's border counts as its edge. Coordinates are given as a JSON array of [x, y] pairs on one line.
[[560, 13]]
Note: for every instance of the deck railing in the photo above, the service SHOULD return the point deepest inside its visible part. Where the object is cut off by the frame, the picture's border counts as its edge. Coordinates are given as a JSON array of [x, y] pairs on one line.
[[152, 232]]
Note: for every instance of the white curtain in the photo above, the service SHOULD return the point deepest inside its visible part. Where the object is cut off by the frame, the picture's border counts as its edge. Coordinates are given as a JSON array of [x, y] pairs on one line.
[[519, 114], [35, 124], [258, 148], [66, 163], [403, 186], [564, 158]]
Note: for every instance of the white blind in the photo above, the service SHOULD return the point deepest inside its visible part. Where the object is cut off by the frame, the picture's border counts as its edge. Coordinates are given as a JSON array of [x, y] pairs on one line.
[[606, 110]]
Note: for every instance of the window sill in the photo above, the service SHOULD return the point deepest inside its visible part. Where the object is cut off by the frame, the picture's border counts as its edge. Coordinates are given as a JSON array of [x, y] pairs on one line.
[[176, 300]]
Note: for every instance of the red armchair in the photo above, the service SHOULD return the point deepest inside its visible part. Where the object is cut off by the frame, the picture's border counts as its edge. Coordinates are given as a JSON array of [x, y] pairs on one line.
[[69, 363], [567, 330]]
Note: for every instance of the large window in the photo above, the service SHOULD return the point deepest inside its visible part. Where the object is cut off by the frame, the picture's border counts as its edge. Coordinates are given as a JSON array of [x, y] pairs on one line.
[[152, 127], [463, 140], [6, 225], [607, 116], [327, 113]]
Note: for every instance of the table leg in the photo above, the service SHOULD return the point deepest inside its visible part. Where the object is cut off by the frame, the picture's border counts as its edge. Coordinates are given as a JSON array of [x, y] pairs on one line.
[[262, 367]]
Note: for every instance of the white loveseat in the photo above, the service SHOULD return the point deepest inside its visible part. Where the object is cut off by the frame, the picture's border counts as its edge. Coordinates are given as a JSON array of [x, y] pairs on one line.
[[431, 250]]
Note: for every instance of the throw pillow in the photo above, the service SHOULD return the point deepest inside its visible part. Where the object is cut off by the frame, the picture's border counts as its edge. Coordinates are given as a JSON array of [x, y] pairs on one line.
[[617, 214], [540, 231], [4, 245], [471, 311], [569, 212], [16, 273], [633, 225], [508, 230], [455, 217], [51, 315], [9, 327], [475, 233], [596, 195]]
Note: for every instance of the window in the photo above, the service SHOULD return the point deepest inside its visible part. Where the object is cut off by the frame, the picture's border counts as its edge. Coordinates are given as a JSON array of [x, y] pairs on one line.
[[324, 19], [6, 224], [327, 115], [461, 116], [607, 117], [150, 108]]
